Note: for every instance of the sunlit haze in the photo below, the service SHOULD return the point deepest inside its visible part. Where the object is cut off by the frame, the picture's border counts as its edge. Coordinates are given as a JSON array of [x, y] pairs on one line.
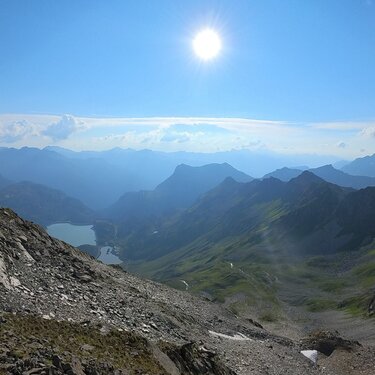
[[187, 187], [207, 44], [281, 77]]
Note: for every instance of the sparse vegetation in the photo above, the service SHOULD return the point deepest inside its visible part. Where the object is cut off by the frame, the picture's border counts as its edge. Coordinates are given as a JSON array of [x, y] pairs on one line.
[[269, 316], [320, 304], [119, 350]]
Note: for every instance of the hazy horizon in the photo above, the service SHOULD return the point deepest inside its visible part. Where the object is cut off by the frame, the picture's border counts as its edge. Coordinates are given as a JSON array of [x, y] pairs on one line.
[[289, 78]]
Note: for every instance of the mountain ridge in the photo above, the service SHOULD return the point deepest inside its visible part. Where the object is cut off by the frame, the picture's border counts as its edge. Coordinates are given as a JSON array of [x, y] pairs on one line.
[[178, 191], [265, 227], [329, 174], [361, 166], [44, 205]]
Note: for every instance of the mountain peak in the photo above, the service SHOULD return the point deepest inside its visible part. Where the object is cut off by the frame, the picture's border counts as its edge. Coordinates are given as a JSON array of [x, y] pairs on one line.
[[178, 191], [284, 174], [211, 166], [327, 167], [215, 171], [306, 177], [364, 166], [182, 167]]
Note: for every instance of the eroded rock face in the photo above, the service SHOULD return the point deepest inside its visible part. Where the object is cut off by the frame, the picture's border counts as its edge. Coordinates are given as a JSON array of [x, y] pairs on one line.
[[56, 285], [4, 279], [195, 359]]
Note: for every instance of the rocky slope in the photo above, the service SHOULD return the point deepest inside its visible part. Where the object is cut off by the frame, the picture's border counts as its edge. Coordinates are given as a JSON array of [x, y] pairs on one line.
[[61, 311]]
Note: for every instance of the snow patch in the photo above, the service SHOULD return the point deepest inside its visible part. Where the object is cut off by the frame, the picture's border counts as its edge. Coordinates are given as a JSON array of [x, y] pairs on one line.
[[236, 337], [312, 355], [186, 284]]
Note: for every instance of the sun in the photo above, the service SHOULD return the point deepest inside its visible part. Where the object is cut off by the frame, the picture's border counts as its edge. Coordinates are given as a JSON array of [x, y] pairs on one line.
[[207, 44]]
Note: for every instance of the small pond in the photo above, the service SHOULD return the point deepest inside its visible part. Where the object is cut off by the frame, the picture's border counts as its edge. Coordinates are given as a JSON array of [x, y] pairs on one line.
[[108, 257]]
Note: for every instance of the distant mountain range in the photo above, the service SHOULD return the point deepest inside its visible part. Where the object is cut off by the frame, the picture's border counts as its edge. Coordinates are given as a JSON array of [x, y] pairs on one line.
[[284, 174], [94, 181], [327, 173], [335, 176], [100, 178], [157, 165], [362, 166], [178, 191], [44, 205]]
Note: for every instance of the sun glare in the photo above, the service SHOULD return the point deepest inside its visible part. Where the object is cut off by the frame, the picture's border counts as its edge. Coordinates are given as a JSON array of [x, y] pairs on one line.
[[207, 44]]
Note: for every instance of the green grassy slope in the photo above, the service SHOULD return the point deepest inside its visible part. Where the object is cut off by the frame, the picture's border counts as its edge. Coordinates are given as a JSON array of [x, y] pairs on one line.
[[262, 244]]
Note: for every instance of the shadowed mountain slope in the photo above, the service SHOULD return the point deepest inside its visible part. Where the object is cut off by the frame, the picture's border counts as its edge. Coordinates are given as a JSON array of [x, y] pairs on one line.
[[44, 205], [178, 191], [335, 176], [284, 174], [94, 181], [361, 166], [262, 239], [327, 173], [100, 178], [295, 209]]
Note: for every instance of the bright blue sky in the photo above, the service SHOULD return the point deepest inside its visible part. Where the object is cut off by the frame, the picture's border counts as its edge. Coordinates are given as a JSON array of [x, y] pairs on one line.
[[291, 61]]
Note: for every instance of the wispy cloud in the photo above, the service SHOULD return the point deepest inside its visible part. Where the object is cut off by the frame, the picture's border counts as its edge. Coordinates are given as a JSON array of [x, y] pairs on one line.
[[342, 125], [206, 134], [368, 132]]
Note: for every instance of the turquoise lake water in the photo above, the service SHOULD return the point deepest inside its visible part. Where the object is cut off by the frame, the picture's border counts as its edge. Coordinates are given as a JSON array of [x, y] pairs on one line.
[[74, 235], [77, 235]]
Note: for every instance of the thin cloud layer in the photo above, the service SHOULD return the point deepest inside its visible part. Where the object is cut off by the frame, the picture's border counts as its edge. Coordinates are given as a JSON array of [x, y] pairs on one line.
[[200, 134]]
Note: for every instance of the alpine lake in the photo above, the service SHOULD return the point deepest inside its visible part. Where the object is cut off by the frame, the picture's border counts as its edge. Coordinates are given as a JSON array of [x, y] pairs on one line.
[[77, 235]]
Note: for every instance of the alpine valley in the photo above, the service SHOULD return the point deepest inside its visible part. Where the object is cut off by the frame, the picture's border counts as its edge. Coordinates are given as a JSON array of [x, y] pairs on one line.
[[247, 272], [187, 187]]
